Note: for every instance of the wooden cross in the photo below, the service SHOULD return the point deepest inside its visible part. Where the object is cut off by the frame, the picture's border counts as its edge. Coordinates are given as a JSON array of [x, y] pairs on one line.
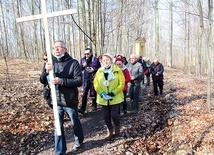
[[45, 17]]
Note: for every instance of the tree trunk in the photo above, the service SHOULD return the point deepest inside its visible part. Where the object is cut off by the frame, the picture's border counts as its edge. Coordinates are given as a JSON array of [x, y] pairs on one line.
[[89, 23], [187, 60], [156, 29], [94, 22], [102, 24], [2, 53], [5, 31], [16, 42], [171, 35], [207, 40], [78, 32], [84, 21], [21, 31], [41, 32], [53, 22], [34, 33]]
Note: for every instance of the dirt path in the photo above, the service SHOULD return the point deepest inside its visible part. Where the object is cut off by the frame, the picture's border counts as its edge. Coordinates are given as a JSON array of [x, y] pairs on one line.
[[135, 126]]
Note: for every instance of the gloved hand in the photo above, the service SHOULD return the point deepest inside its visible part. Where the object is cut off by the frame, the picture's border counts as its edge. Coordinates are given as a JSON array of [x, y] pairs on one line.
[[102, 93], [112, 94]]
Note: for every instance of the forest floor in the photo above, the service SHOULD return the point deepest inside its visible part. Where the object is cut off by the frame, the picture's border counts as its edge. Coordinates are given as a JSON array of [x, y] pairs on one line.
[[175, 123]]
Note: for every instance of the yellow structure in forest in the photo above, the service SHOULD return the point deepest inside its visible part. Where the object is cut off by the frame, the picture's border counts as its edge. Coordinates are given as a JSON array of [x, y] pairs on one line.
[[140, 46]]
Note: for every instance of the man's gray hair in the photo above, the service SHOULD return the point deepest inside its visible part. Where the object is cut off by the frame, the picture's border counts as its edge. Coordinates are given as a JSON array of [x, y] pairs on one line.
[[134, 56], [63, 43], [155, 60]]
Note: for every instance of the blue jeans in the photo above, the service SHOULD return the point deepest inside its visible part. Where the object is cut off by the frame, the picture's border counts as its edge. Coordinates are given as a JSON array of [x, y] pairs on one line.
[[60, 142]]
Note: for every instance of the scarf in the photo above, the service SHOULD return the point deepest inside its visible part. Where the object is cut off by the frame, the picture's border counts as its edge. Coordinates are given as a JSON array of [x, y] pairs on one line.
[[109, 72]]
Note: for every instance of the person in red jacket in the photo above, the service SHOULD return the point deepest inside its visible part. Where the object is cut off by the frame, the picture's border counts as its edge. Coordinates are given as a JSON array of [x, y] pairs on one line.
[[119, 62]]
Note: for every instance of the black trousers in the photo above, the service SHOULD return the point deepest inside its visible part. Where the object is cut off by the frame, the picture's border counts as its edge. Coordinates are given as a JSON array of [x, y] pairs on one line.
[[157, 84], [85, 98], [111, 113], [134, 93]]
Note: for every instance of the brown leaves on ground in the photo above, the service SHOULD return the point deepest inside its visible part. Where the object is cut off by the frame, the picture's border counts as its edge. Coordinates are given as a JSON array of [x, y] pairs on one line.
[[174, 123]]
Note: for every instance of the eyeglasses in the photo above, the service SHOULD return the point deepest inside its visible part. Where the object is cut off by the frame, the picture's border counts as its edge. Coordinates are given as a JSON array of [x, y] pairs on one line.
[[58, 47], [86, 53]]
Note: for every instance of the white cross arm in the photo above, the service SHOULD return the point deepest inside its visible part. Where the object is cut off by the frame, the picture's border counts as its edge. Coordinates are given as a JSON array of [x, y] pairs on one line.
[[48, 15]]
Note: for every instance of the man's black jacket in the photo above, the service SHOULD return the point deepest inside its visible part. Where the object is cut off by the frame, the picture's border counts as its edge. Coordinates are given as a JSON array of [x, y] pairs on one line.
[[69, 71]]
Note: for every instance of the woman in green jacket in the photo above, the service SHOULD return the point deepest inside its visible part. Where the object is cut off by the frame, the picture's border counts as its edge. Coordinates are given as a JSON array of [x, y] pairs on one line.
[[109, 82]]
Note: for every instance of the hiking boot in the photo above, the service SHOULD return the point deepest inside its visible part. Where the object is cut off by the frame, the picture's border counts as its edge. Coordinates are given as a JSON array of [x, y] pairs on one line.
[[80, 111], [109, 134], [117, 130], [77, 146], [94, 109]]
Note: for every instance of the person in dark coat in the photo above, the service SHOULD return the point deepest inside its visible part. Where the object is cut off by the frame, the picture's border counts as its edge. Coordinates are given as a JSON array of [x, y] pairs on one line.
[[147, 72], [90, 65], [68, 77], [143, 63], [157, 69]]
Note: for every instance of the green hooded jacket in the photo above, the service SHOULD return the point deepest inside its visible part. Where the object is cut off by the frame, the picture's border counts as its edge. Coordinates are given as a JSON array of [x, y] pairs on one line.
[[115, 86]]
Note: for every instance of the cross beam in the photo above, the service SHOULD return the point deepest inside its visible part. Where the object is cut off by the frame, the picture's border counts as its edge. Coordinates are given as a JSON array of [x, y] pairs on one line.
[[45, 17], [49, 15]]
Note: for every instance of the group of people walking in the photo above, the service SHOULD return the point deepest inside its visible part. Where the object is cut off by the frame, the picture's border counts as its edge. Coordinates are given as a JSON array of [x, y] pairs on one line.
[[106, 79]]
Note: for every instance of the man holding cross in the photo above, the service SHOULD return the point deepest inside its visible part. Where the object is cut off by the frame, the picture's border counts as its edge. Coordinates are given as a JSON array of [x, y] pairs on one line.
[[67, 72]]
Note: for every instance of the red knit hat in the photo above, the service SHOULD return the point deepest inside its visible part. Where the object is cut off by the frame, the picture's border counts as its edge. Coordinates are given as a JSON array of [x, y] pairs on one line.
[[119, 59]]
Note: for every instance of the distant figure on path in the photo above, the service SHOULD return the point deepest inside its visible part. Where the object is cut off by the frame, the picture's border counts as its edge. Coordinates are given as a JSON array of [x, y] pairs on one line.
[[157, 70], [147, 73]]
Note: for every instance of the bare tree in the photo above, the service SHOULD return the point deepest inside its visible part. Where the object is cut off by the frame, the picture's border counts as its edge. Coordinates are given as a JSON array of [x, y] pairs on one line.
[[35, 44], [2, 52], [84, 21], [187, 35], [207, 36], [5, 30], [118, 45], [112, 26], [171, 34], [21, 31], [156, 29]]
